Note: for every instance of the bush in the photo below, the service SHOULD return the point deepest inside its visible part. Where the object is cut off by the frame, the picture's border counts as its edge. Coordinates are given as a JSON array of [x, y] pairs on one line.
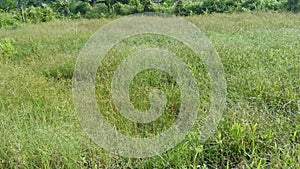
[[7, 5], [178, 9], [137, 4], [38, 14], [218, 6], [222, 6], [293, 5], [76, 9], [8, 19], [146, 4], [61, 7], [98, 11], [274, 5], [193, 8], [154, 7], [7, 49], [123, 9], [81, 7]]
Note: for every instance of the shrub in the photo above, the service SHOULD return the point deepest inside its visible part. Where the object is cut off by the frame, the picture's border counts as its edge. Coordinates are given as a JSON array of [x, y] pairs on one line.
[[274, 5], [8, 19], [179, 8], [98, 11], [82, 8], [7, 4], [123, 9], [61, 7], [293, 5], [48, 14], [38, 14], [193, 8], [154, 7], [218, 6], [7, 49], [137, 4]]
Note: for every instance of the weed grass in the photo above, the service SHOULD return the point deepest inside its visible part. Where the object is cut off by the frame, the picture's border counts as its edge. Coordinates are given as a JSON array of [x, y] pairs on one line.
[[259, 129]]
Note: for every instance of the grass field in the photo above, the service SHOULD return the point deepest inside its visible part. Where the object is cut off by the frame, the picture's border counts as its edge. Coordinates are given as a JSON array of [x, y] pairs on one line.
[[260, 128]]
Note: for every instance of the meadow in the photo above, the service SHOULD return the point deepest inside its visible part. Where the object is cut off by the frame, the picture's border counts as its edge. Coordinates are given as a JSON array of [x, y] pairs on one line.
[[260, 127]]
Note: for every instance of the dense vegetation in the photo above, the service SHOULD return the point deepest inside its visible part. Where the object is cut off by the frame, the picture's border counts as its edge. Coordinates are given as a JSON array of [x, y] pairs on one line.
[[13, 12], [259, 129]]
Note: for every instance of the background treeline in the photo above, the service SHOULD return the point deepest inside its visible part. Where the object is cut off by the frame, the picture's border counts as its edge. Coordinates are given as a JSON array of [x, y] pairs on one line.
[[14, 12]]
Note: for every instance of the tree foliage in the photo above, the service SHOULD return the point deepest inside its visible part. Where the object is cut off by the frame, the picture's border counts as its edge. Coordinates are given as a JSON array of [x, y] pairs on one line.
[[45, 10]]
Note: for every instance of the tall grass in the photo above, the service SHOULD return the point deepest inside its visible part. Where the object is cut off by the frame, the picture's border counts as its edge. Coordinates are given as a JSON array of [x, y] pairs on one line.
[[259, 129]]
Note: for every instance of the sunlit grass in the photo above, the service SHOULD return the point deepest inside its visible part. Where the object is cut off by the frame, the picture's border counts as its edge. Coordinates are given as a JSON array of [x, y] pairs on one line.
[[259, 129]]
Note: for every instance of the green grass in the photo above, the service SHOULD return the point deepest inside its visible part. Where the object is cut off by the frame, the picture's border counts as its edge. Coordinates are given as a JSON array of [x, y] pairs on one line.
[[259, 129]]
